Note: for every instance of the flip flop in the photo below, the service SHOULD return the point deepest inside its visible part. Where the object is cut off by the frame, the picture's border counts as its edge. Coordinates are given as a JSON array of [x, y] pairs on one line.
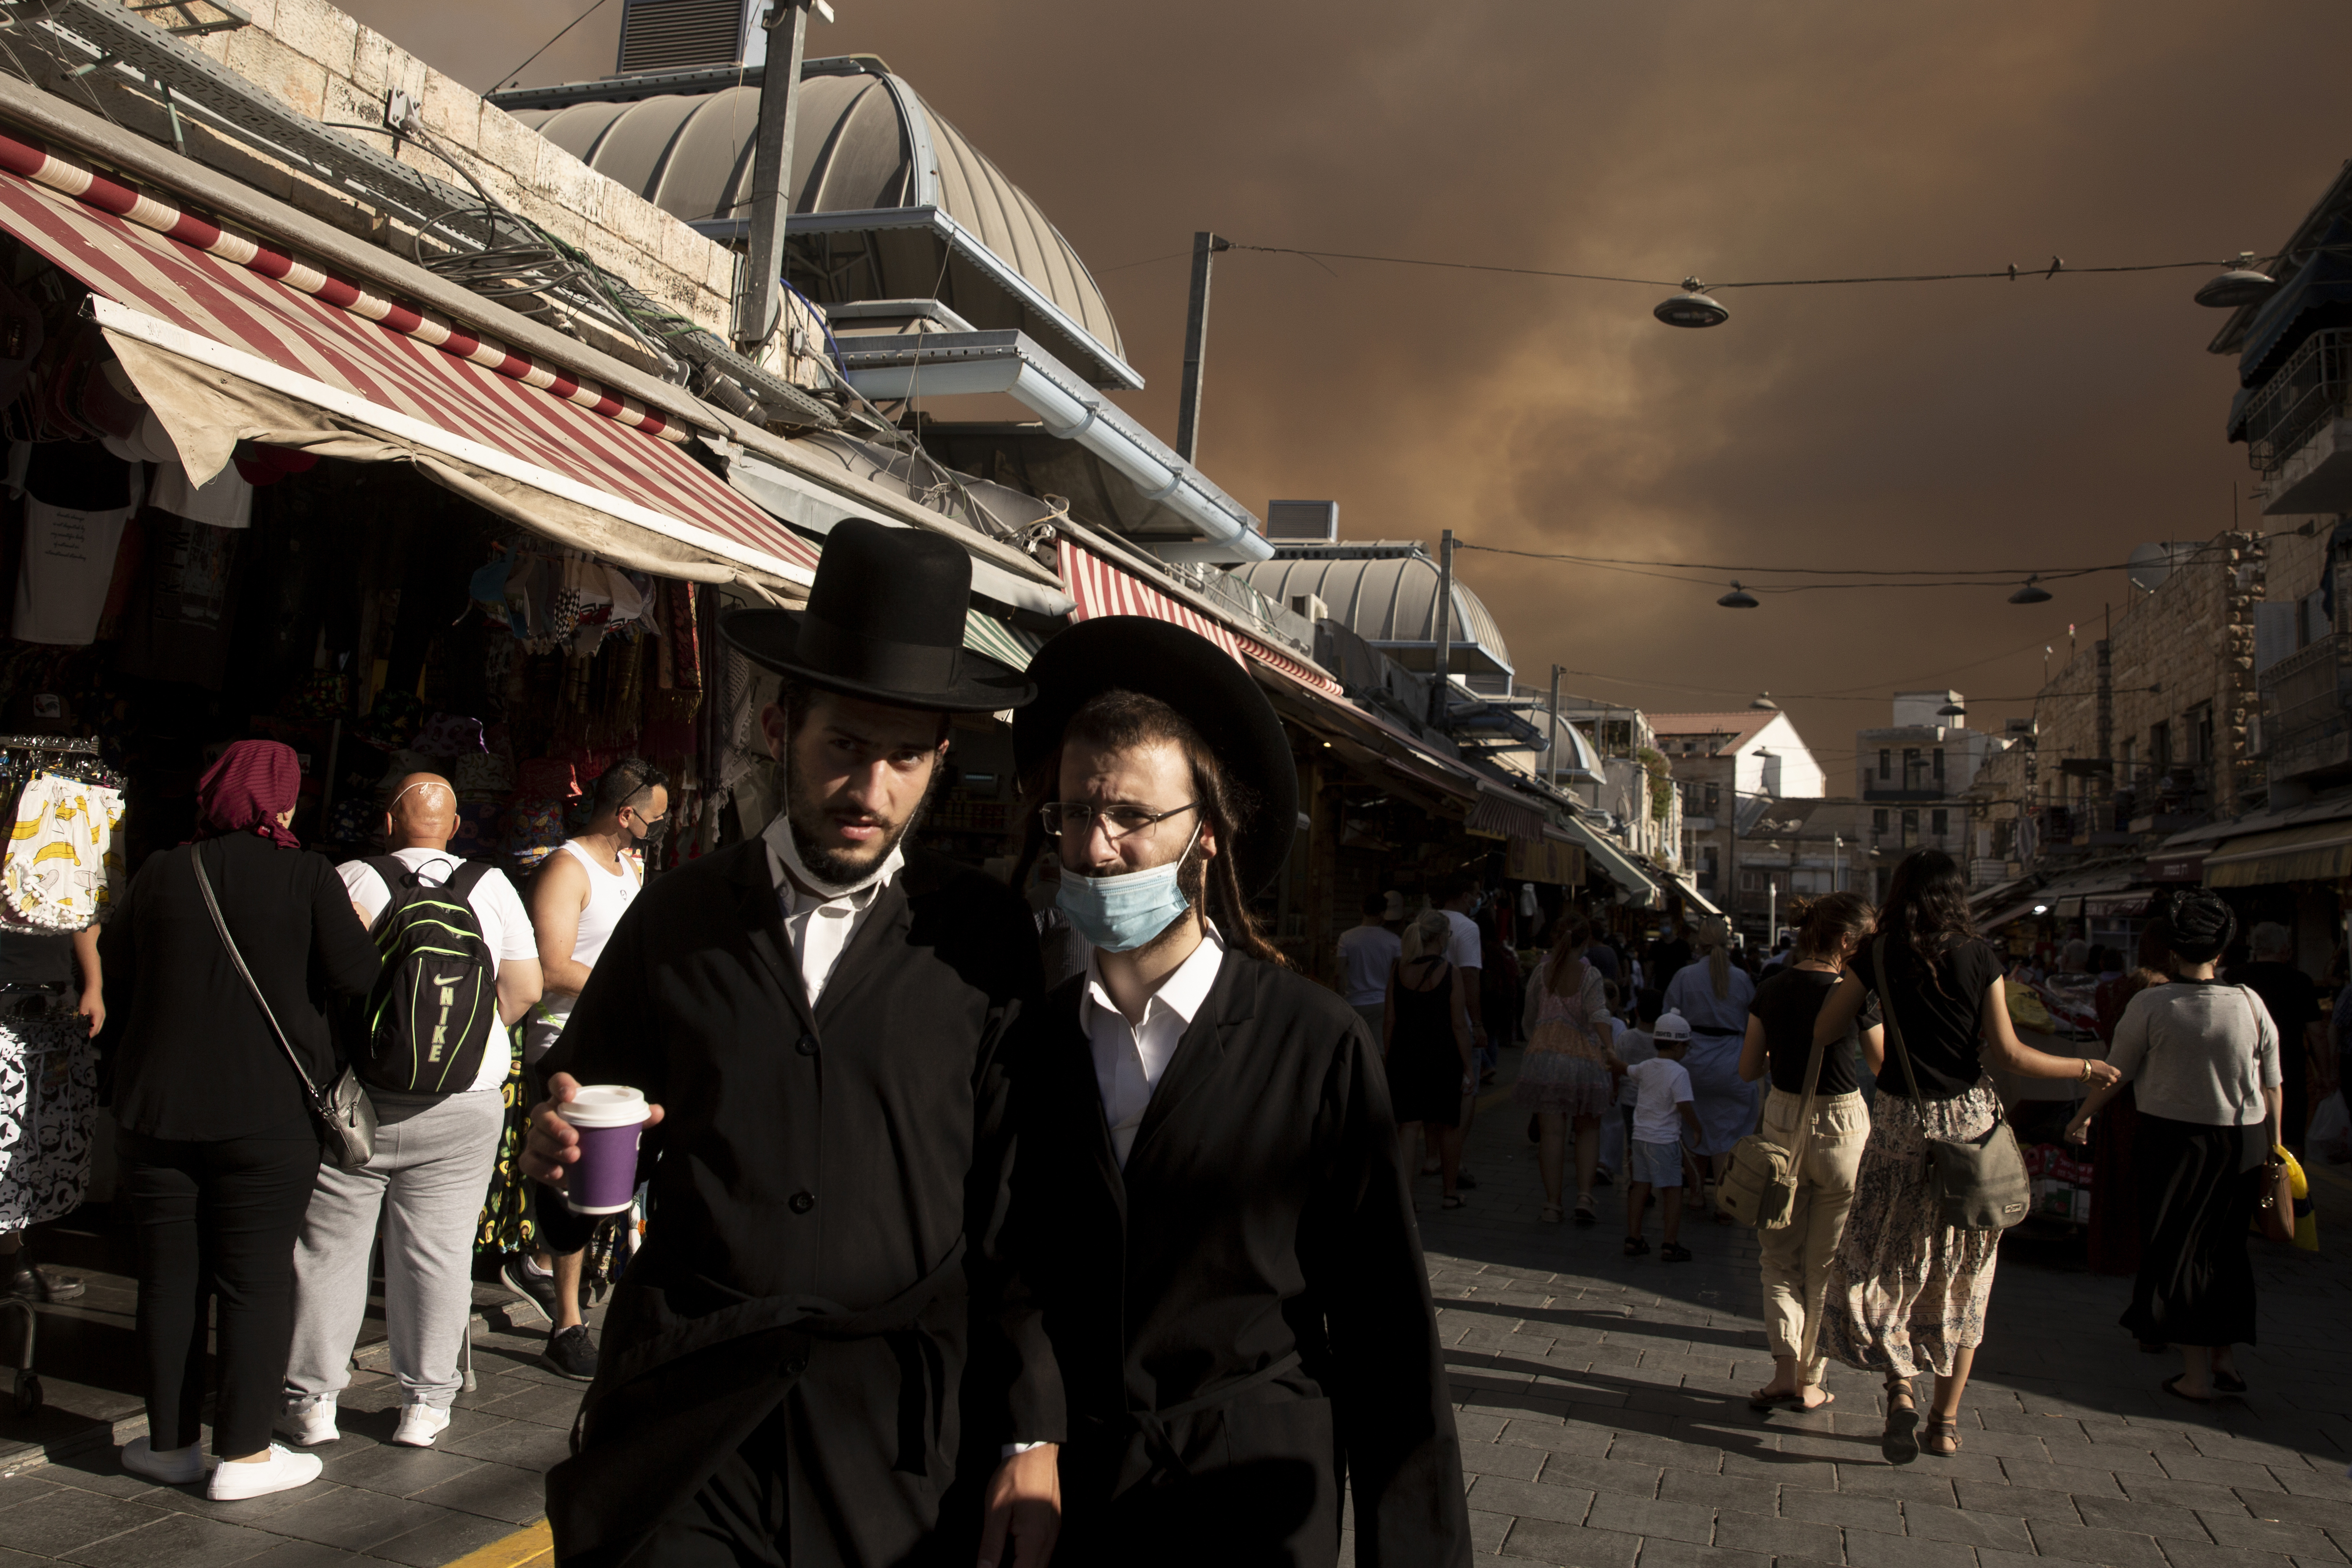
[[1760, 1400], [2228, 1382], [1899, 1444], [2172, 1385]]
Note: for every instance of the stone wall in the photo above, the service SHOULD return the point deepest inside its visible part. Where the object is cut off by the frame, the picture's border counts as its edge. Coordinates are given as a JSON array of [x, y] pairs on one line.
[[2193, 639], [327, 65]]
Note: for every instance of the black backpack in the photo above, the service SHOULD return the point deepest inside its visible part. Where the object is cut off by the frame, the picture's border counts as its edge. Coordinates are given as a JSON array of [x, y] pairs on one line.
[[433, 1010]]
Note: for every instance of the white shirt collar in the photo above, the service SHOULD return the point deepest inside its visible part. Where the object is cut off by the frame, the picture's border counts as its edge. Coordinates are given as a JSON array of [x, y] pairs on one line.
[[1182, 993], [797, 900]]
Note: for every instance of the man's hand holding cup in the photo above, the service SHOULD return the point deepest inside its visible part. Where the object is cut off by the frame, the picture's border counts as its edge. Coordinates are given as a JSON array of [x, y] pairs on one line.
[[598, 1124]]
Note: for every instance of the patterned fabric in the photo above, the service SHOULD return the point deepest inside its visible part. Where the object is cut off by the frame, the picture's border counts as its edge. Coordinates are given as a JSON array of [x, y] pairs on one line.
[[450, 735], [506, 1224], [63, 864], [1904, 1291], [49, 1100], [1566, 1069], [246, 789]]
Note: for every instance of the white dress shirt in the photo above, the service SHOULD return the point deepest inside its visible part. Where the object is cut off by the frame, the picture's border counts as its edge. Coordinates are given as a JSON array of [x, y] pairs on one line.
[[820, 928], [1130, 1059]]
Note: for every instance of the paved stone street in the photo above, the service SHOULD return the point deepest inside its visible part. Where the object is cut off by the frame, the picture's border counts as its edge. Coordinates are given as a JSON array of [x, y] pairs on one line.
[[1604, 1423]]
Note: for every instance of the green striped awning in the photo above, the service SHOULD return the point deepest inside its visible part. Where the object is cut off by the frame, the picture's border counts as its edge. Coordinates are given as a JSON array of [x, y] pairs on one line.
[[993, 639]]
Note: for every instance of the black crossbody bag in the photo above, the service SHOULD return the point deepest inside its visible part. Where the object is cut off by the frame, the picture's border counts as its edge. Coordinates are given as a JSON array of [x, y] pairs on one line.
[[1979, 1183], [345, 1112]]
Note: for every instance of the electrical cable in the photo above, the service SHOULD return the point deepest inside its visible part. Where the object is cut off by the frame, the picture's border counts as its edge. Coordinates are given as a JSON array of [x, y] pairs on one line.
[[2011, 273], [509, 77]]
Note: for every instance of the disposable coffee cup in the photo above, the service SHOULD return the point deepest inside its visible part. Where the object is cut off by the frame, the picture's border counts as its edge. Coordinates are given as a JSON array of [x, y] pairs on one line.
[[608, 1117]]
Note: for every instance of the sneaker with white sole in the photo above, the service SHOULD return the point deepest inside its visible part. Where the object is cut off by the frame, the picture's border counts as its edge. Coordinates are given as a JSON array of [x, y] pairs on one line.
[[172, 1467], [308, 1425], [282, 1470], [419, 1423]]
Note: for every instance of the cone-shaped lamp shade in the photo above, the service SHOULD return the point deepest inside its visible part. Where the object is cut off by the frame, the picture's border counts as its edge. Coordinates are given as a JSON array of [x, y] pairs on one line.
[[2239, 285], [1738, 598], [2030, 594]]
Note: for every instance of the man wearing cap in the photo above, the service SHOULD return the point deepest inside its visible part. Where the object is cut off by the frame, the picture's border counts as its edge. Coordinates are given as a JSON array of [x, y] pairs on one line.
[[817, 1357], [1208, 1202]]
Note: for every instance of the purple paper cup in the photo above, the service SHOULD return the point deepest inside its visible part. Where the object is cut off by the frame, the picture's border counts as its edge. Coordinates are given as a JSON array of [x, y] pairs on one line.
[[608, 1117]]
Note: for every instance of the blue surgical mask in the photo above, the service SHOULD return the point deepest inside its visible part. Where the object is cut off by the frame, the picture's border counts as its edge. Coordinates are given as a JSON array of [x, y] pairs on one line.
[[1120, 914]]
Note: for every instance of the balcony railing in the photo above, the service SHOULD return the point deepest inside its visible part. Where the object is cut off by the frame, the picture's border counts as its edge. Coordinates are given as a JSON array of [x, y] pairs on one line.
[[2308, 390]]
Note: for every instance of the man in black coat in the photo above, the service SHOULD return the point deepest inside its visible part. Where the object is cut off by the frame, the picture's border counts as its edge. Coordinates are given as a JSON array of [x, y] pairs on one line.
[[818, 1357], [1209, 1201]]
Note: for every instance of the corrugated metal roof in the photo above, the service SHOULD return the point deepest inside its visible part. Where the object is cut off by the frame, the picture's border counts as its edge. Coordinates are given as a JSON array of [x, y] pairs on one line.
[[1390, 602], [865, 141]]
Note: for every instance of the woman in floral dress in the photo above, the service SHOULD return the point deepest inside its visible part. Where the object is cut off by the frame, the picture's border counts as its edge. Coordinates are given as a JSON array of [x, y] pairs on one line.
[[1906, 1293], [1570, 1073]]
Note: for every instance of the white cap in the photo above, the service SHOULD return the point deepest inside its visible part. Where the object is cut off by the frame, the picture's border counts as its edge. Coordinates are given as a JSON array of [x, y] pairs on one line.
[[1670, 1026]]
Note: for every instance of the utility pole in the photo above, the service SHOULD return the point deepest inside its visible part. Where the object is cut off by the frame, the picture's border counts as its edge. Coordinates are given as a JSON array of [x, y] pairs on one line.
[[760, 301], [1439, 711], [1551, 735], [1196, 343]]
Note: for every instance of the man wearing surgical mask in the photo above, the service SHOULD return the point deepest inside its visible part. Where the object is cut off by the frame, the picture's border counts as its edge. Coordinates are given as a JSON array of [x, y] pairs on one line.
[[1208, 1202]]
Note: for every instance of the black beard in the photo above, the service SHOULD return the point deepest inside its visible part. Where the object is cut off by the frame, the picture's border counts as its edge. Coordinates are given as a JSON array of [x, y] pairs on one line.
[[842, 867]]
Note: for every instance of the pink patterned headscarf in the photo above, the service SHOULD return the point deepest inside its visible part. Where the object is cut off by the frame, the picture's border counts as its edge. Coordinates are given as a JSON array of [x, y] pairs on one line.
[[245, 790]]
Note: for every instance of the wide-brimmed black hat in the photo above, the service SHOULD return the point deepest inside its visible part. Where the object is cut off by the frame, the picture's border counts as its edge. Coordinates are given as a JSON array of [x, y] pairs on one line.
[[1200, 680], [885, 622]]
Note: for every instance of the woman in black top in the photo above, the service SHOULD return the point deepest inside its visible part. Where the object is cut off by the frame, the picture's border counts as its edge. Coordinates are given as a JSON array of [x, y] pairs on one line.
[[1428, 1049], [218, 1148], [1906, 1292], [1779, 1041]]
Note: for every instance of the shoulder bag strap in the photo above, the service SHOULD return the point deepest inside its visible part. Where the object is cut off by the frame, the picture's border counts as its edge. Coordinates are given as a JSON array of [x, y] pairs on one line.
[[212, 907], [1886, 1008]]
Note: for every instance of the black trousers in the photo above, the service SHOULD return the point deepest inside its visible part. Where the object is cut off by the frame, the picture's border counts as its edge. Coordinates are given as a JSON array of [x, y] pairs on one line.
[[217, 1221]]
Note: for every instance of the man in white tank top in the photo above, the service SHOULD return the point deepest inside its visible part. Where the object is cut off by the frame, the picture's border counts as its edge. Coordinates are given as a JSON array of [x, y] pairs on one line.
[[577, 900]]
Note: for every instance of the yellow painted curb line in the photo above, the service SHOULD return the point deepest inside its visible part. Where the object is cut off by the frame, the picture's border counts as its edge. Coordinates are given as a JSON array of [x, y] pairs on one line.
[[530, 1547]]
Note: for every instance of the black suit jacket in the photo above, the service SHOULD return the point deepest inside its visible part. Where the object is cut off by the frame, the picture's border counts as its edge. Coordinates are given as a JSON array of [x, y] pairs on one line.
[[828, 1189], [1241, 1317]]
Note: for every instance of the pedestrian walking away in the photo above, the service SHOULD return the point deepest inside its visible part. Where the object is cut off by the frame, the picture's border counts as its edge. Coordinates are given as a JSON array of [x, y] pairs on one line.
[[817, 1356], [2293, 1001], [1907, 1292], [1210, 1203], [1796, 1257], [1568, 1077], [1665, 1120], [576, 901], [1426, 1051], [459, 932], [2204, 1058], [1713, 994], [1368, 952], [219, 1147]]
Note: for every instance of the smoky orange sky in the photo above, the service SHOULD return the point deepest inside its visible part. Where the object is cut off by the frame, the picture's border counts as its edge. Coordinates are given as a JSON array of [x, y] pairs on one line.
[[2028, 425]]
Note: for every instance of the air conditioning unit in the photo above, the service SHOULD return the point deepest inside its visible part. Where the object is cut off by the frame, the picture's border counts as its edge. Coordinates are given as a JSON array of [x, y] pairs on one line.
[[1309, 607], [660, 35], [1303, 521]]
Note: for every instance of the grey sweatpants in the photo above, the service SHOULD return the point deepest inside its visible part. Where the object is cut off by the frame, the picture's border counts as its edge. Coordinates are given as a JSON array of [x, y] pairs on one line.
[[432, 1159]]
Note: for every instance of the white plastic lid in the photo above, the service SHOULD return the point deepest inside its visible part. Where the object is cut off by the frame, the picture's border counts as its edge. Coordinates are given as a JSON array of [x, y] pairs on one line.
[[605, 1105]]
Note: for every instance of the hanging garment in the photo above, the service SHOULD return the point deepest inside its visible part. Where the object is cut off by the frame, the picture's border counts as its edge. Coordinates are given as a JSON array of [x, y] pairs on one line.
[[48, 1102], [63, 866], [226, 502]]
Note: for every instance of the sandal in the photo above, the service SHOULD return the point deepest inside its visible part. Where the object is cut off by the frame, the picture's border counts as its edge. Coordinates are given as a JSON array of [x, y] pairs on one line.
[[1766, 1399], [2228, 1382], [1943, 1437], [1674, 1252], [1899, 1444], [1551, 1215], [2172, 1385], [1637, 1248], [1451, 1200], [1585, 1213]]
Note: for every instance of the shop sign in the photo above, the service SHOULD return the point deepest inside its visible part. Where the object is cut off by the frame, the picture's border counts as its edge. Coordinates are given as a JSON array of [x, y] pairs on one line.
[[1541, 860], [2189, 866]]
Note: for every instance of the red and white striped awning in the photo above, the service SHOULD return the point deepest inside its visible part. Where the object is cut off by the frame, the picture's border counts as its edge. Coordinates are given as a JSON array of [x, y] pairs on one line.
[[218, 330], [1102, 588]]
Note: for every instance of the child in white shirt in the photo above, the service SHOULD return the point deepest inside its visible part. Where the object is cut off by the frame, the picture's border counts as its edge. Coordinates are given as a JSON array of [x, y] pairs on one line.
[[1662, 1111]]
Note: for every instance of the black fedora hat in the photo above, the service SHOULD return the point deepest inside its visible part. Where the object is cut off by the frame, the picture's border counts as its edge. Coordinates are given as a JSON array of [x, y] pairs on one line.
[[1199, 680], [885, 622]]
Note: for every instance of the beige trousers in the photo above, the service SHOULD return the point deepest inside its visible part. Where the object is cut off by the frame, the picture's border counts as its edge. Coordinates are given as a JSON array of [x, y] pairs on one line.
[[1797, 1257]]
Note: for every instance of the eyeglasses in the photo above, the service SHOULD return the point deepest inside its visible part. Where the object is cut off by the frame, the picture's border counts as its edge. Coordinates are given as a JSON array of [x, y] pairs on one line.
[[1062, 817]]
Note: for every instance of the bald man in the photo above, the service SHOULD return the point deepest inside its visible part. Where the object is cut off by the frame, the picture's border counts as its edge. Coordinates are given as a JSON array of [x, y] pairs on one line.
[[433, 1152]]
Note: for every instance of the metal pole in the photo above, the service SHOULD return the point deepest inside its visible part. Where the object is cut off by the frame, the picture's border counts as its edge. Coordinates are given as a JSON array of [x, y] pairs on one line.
[[1552, 737], [1444, 633], [1196, 343], [761, 299]]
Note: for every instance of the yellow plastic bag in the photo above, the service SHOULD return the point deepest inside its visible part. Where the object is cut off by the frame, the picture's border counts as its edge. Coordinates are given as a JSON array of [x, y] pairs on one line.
[[2027, 1010]]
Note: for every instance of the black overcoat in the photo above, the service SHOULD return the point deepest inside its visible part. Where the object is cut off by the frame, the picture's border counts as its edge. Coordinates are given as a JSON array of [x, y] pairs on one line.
[[828, 1189], [1240, 1318]]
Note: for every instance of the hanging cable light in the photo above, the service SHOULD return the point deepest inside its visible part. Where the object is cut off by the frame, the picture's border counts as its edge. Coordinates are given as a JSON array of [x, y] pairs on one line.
[[1740, 599], [2243, 284], [1691, 308], [1764, 703], [1951, 710], [2030, 594]]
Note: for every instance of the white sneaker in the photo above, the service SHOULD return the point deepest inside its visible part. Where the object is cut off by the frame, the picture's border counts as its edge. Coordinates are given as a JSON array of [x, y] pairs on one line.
[[281, 1472], [419, 1423], [172, 1467], [308, 1426]]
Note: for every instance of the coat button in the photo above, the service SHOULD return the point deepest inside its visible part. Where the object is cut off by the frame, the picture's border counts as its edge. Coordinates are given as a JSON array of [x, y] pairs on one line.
[[807, 1046], [801, 1202]]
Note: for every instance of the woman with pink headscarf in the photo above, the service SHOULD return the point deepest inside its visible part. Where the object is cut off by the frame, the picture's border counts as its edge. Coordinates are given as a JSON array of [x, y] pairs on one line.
[[219, 1150]]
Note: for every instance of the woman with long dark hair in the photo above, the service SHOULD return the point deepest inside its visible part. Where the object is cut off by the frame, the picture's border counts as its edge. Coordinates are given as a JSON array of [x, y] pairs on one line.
[[1907, 1292], [1827, 1149], [2204, 1059], [1570, 1074]]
